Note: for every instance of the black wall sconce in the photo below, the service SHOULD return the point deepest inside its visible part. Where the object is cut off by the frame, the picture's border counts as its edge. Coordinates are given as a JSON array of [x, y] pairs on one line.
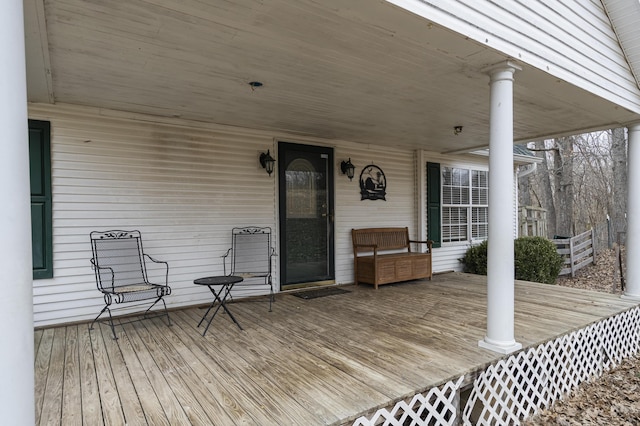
[[347, 168], [267, 162]]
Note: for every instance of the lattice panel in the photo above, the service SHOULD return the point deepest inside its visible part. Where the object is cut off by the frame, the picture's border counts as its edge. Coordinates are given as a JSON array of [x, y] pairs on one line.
[[518, 386], [438, 407]]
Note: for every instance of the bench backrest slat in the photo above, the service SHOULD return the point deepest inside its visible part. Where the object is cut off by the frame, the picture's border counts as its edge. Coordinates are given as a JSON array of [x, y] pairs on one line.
[[384, 238]]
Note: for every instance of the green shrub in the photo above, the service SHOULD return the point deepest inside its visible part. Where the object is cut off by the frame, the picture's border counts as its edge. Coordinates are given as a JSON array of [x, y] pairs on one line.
[[475, 259], [535, 259]]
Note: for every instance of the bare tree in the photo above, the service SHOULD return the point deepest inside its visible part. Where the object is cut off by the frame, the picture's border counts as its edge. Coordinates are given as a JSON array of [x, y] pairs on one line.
[[619, 160], [545, 191], [592, 179], [580, 181], [563, 185]]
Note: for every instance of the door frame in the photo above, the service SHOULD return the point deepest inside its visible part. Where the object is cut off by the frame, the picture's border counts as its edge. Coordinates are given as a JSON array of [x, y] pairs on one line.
[[282, 146]]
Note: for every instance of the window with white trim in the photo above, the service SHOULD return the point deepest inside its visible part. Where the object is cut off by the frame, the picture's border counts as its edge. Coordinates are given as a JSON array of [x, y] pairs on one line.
[[465, 204]]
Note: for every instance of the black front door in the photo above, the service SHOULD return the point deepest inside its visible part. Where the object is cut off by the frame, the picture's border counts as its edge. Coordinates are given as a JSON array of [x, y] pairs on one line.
[[306, 215]]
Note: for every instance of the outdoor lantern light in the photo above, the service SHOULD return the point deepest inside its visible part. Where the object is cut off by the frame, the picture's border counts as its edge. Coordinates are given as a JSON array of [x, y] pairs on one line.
[[347, 168], [267, 162]]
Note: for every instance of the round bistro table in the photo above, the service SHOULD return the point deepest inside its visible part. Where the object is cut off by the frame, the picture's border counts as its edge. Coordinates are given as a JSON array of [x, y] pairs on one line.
[[226, 283]]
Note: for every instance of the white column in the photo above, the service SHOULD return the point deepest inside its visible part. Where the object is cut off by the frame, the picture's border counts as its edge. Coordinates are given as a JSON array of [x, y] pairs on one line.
[[500, 267], [16, 301], [632, 290]]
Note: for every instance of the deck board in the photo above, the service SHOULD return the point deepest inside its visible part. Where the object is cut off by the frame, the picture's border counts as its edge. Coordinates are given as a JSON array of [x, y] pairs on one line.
[[170, 403], [133, 384], [243, 356], [188, 392], [90, 394], [110, 404], [247, 405], [199, 373], [132, 409], [296, 371], [322, 361], [72, 399], [52, 403], [41, 368]]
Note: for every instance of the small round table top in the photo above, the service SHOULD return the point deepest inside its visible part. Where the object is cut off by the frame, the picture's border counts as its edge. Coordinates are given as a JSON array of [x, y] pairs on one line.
[[218, 280]]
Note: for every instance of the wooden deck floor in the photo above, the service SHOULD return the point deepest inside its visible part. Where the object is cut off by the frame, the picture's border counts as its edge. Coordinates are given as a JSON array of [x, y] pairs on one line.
[[309, 362]]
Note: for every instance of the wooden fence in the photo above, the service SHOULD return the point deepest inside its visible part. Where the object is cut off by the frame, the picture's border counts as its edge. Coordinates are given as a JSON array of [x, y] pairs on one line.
[[577, 252]]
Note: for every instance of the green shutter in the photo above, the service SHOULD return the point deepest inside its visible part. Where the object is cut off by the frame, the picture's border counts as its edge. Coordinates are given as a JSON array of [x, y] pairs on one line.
[[433, 203], [41, 209]]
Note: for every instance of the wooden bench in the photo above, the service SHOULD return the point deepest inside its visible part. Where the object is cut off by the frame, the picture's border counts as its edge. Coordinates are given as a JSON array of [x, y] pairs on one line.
[[383, 256]]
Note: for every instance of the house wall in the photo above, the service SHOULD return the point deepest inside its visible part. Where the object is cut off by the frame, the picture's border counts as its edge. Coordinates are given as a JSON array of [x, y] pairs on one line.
[[572, 40], [184, 185]]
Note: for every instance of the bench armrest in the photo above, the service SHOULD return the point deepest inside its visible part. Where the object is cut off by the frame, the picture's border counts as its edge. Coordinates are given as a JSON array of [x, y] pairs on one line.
[[429, 243], [373, 247]]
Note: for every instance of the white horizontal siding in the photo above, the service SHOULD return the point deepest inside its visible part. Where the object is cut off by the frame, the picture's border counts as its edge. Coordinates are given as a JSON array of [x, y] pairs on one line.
[[184, 185], [572, 40], [447, 257], [624, 16], [399, 209]]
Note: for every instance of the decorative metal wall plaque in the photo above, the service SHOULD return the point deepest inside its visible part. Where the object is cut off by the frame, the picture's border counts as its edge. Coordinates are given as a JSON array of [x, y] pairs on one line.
[[373, 184]]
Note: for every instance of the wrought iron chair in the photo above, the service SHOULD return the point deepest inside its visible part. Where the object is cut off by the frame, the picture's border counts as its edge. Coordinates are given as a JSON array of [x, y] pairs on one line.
[[120, 267], [250, 256]]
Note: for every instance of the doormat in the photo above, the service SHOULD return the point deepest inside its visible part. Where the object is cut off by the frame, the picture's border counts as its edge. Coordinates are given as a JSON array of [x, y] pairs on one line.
[[322, 292]]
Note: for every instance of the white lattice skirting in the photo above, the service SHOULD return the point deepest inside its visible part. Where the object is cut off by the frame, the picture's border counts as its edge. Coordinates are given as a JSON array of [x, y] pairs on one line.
[[517, 387]]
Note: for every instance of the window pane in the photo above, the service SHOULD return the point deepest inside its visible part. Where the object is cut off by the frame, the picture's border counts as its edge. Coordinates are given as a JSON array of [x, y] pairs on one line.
[[480, 187], [455, 186], [480, 179], [480, 196], [446, 176], [479, 222], [461, 177], [454, 224]]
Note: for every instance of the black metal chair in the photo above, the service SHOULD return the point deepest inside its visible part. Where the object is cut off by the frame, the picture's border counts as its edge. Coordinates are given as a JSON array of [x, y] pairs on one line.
[[120, 267], [250, 256]]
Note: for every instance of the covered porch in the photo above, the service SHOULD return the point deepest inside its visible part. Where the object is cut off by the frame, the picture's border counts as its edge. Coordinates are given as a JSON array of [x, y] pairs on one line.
[[158, 114], [323, 361]]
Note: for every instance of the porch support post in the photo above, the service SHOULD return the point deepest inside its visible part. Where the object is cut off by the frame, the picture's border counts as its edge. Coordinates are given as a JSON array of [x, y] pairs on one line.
[[500, 265], [632, 290], [16, 280]]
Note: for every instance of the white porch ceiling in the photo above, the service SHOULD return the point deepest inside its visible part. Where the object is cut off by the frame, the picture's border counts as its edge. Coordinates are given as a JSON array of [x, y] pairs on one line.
[[359, 70]]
